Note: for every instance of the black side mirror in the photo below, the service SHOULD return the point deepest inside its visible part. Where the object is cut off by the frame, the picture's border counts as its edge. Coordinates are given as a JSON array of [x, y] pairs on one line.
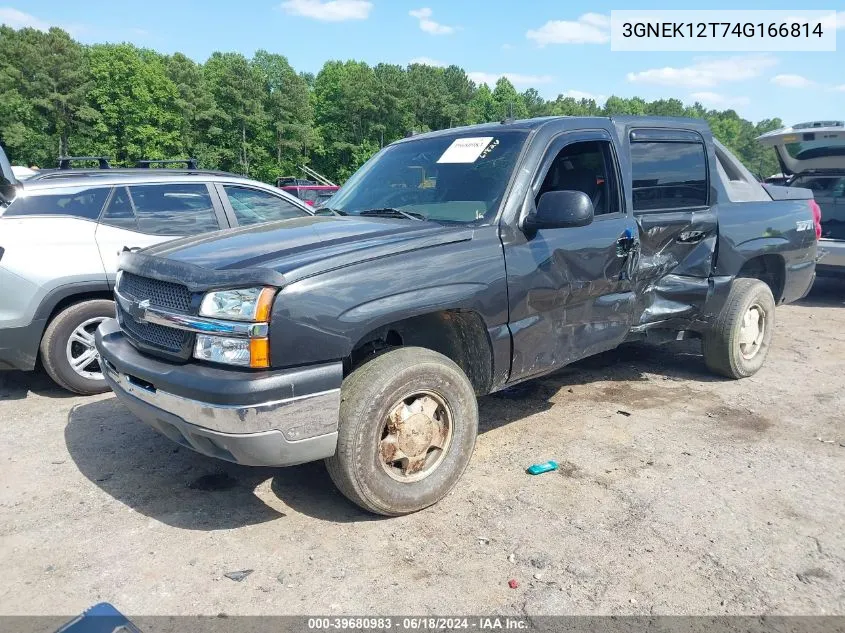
[[560, 209]]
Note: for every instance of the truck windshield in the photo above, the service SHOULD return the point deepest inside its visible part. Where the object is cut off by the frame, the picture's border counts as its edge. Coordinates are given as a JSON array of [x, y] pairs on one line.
[[458, 177]]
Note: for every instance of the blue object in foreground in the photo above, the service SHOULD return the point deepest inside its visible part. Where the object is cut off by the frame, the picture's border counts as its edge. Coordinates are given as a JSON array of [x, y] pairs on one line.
[[101, 618], [539, 469]]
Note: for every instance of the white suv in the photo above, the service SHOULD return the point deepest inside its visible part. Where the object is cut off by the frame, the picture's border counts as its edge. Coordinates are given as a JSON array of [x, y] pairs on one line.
[[59, 243]]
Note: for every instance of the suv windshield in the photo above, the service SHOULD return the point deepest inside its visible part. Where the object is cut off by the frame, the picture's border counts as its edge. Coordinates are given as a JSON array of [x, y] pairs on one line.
[[450, 178]]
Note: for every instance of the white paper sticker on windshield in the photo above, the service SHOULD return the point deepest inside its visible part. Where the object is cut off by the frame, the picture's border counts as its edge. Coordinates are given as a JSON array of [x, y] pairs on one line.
[[465, 150]]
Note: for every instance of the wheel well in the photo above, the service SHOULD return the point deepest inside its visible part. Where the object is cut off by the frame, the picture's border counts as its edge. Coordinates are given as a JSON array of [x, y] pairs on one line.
[[458, 335], [78, 298], [770, 269]]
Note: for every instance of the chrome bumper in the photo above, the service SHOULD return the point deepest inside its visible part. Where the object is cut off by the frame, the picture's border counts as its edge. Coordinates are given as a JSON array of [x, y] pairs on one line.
[[262, 419], [297, 418], [267, 434]]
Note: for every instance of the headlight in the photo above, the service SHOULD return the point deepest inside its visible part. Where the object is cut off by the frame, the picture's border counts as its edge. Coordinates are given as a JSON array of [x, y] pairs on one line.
[[248, 304], [244, 352], [243, 304]]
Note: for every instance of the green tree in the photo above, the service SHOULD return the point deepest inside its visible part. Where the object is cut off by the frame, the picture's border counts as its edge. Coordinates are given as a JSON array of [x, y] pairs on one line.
[[509, 103], [136, 102], [44, 81], [346, 116], [195, 105], [238, 129], [483, 107], [287, 106]]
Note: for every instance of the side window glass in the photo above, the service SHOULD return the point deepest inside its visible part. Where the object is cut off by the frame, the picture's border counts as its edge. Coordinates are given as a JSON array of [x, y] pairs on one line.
[[588, 167], [253, 206], [77, 202], [119, 211], [173, 209], [668, 175]]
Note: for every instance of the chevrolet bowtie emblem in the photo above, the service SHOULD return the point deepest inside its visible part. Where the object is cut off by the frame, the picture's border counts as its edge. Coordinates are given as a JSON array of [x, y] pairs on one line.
[[142, 310]]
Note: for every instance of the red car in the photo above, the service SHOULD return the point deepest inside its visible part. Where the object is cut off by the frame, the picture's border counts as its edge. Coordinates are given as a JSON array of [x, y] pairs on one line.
[[313, 195]]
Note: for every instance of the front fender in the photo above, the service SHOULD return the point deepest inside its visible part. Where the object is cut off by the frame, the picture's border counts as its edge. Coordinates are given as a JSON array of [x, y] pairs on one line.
[[322, 318]]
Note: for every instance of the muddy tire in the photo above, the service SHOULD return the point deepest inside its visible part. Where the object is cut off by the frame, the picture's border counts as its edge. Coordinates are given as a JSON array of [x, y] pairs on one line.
[[739, 341], [67, 347], [407, 428]]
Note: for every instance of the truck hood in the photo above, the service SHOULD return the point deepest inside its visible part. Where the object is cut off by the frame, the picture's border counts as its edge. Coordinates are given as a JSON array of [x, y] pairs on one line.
[[306, 246]]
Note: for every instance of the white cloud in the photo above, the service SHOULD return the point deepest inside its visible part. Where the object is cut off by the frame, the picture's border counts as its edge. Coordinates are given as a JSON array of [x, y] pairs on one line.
[[516, 79], [428, 61], [507, 47], [716, 100], [839, 88], [580, 94], [706, 73], [590, 28], [20, 20], [330, 11], [430, 26], [792, 81], [837, 21]]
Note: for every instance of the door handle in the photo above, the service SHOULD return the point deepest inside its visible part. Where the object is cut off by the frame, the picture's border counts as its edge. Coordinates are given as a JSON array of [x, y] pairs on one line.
[[691, 237], [626, 243]]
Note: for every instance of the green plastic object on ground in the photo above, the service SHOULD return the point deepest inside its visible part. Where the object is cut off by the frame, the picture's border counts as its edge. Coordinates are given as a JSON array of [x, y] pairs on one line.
[[539, 469]]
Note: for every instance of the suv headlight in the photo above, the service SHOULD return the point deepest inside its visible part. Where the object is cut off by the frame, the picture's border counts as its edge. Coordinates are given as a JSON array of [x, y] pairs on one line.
[[248, 304]]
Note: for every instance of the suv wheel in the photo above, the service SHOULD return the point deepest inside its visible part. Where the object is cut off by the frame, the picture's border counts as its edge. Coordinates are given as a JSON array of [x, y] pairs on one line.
[[407, 428], [739, 341], [67, 348]]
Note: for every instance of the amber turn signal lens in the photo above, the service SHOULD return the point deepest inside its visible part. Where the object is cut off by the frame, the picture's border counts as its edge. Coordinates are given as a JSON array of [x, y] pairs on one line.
[[265, 304], [259, 352]]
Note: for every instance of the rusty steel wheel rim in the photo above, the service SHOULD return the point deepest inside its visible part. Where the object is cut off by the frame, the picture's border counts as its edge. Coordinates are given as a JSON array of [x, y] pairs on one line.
[[416, 436]]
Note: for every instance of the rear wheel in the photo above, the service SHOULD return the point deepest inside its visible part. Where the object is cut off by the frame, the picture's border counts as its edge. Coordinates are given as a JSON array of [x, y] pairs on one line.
[[407, 428], [67, 348], [739, 341]]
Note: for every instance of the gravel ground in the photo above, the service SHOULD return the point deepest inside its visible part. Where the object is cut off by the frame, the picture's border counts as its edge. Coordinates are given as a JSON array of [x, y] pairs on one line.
[[705, 496]]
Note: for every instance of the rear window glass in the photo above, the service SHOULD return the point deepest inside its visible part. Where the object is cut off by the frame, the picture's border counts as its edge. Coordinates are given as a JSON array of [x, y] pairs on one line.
[[77, 202], [807, 150], [668, 175]]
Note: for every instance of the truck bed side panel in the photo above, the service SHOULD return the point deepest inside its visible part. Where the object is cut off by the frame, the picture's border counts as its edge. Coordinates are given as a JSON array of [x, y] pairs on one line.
[[783, 228]]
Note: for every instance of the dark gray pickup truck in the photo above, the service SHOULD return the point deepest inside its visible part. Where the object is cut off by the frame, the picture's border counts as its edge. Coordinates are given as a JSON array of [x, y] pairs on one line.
[[453, 264]]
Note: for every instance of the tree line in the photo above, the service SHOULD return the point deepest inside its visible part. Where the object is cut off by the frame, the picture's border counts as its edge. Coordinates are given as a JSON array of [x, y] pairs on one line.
[[260, 117]]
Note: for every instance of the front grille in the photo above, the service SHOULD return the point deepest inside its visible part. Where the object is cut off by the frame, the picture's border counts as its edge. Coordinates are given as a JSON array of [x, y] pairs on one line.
[[155, 335], [162, 294], [165, 295]]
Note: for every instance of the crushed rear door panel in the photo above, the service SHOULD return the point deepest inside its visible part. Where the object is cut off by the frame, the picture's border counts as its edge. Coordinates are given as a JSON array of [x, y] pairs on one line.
[[677, 251]]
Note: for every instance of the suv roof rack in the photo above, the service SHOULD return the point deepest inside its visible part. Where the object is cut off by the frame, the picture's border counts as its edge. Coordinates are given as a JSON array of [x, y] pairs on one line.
[[190, 163], [102, 161]]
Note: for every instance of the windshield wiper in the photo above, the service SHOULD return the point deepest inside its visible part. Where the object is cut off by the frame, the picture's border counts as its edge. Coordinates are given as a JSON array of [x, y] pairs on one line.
[[391, 212]]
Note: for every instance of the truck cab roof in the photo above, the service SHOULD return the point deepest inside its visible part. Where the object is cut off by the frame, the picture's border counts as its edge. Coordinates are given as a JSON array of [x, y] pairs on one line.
[[554, 124]]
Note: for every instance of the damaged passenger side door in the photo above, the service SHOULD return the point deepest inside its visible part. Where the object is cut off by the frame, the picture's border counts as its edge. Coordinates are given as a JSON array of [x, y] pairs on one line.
[[678, 227]]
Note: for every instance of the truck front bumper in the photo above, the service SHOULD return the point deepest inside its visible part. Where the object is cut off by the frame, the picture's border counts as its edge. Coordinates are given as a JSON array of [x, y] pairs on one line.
[[268, 418]]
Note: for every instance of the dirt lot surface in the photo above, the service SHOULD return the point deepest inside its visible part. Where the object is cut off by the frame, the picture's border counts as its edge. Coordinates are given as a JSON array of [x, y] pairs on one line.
[[711, 497]]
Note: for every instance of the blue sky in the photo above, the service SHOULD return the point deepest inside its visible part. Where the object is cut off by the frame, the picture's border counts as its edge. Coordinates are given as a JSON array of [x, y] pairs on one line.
[[554, 46]]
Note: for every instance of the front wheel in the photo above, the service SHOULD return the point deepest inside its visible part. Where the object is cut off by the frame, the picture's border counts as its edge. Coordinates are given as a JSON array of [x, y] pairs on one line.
[[739, 341], [67, 347], [407, 429]]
